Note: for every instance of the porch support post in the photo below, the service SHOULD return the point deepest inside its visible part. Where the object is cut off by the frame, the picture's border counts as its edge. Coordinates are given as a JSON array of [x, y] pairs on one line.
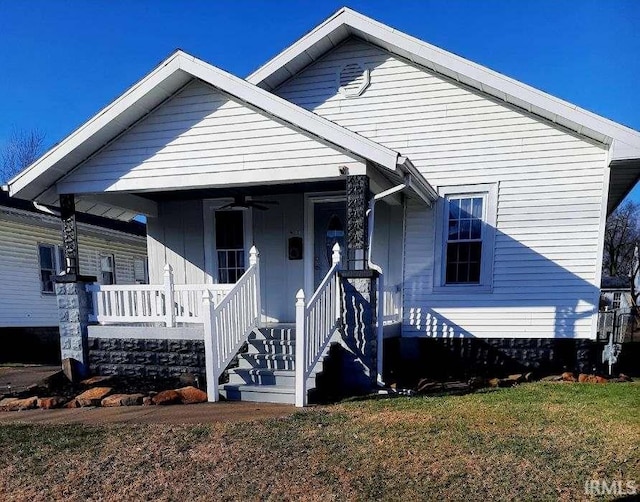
[[357, 204], [69, 234], [73, 300]]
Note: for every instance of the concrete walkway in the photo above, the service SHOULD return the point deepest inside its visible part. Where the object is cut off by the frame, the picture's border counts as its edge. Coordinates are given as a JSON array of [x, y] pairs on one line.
[[16, 378], [205, 413]]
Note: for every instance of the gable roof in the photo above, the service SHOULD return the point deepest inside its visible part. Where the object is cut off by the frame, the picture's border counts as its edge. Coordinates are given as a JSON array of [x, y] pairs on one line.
[[159, 85], [346, 23]]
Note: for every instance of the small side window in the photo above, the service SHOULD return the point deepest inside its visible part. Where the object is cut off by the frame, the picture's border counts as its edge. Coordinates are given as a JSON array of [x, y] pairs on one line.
[[108, 269], [140, 271], [50, 266]]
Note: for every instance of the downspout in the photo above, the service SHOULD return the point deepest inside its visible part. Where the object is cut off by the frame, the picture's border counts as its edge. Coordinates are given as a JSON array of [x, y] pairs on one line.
[[378, 268], [45, 209]]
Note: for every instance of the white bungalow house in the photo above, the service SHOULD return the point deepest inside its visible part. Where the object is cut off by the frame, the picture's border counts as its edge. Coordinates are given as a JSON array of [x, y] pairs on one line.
[[468, 209], [31, 256]]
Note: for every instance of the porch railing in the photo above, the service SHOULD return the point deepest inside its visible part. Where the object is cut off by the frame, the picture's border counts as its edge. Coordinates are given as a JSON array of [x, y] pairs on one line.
[[227, 324], [166, 303], [392, 304], [316, 322]]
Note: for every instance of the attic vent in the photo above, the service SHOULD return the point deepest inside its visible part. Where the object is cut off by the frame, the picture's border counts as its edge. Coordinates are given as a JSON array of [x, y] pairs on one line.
[[353, 80]]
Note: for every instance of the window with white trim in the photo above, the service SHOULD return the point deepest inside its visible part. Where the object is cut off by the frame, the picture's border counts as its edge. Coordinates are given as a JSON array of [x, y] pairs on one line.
[[108, 269], [464, 239], [466, 230], [51, 260]]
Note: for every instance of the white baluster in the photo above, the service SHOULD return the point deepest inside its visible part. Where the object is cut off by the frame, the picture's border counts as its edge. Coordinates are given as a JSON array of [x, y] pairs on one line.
[[169, 310], [254, 259], [300, 396]]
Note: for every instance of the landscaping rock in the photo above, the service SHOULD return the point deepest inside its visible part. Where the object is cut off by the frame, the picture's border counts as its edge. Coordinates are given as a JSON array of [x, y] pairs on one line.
[[426, 386], [517, 378], [567, 376], [599, 379], [192, 395], [147, 401], [583, 378], [529, 377], [72, 404], [494, 382], [93, 396], [167, 397], [49, 403], [507, 382], [15, 404], [122, 400], [552, 378], [97, 380], [5, 403], [623, 378]]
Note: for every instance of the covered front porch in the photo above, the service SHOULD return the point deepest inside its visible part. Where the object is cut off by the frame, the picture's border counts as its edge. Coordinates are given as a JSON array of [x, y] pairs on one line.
[[259, 213]]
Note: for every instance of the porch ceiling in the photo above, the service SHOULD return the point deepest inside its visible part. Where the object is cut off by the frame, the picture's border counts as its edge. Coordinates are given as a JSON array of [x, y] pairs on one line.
[[247, 190], [624, 176]]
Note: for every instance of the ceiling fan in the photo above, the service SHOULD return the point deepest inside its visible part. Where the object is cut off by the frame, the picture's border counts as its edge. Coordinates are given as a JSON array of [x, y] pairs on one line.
[[240, 201]]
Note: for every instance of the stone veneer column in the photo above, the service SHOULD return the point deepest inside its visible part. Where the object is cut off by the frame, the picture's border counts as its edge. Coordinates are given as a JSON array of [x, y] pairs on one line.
[[74, 308], [357, 236], [359, 299]]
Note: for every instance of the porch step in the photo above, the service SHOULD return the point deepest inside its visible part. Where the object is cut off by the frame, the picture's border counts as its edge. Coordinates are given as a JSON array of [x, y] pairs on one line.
[[274, 346], [266, 372], [277, 332], [259, 393], [250, 360], [262, 376]]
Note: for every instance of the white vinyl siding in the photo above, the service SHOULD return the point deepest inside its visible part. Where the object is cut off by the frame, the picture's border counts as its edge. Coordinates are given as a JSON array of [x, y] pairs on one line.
[[551, 187], [176, 237], [21, 300], [201, 137]]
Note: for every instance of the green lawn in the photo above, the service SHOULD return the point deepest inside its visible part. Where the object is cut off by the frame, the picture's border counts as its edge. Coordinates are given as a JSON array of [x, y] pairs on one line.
[[537, 441]]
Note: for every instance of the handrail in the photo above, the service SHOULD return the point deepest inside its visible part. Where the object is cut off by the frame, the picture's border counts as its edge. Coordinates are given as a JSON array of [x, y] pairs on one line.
[[316, 322], [228, 323]]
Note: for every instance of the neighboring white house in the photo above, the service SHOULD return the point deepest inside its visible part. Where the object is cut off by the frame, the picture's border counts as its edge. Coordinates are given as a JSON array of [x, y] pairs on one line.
[[31, 255], [491, 196], [615, 294]]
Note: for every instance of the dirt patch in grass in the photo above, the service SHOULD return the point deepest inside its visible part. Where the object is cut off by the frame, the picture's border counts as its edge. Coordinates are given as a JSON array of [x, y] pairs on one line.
[[537, 441]]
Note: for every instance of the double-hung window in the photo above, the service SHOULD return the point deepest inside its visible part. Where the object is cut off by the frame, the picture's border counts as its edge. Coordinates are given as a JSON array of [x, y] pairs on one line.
[[51, 264], [466, 229], [108, 269]]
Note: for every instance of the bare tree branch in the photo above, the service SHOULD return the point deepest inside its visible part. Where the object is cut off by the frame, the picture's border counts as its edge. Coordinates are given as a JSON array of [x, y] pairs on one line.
[[21, 149], [622, 233]]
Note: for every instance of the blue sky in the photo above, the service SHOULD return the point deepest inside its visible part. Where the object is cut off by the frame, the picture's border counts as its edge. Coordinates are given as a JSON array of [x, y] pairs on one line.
[[61, 61]]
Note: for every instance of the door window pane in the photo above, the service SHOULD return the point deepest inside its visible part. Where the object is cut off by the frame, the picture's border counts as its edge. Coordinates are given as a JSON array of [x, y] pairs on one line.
[[230, 246]]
